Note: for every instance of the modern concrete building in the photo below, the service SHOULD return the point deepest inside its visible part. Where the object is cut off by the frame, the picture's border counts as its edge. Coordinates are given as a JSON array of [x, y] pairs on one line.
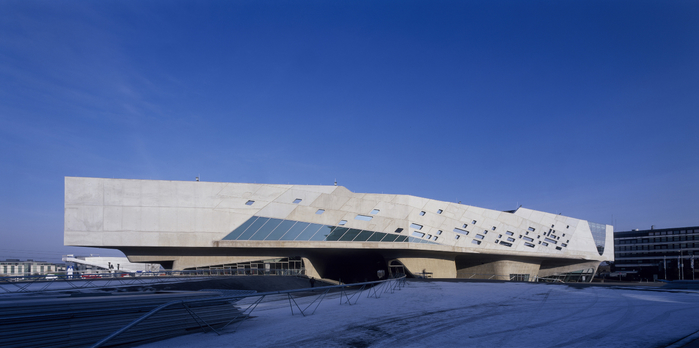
[[666, 253], [334, 232]]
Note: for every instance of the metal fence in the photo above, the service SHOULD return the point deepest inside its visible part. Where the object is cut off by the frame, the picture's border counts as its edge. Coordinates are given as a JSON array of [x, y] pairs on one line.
[[349, 294], [78, 281]]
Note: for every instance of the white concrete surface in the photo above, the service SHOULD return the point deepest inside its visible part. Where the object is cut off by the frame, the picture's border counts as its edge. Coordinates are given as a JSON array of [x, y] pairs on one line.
[[116, 213]]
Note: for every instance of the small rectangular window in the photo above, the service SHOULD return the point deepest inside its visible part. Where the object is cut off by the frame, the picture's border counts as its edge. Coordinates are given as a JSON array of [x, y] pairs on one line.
[[457, 236], [418, 234], [320, 211], [439, 211], [502, 242], [545, 244], [510, 239], [509, 233], [476, 241], [531, 229], [439, 232], [529, 245], [297, 200], [398, 230], [434, 238], [342, 222], [558, 248], [363, 217], [249, 202], [528, 239], [473, 222], [415, 226], [464, 226], [494, 228], [480, 236], [458, 230], [374, 212], [422, 213], [429, 236]]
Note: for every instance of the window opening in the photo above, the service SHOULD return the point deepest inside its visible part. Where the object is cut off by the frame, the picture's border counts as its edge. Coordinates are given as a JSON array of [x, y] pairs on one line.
[[320, 211], [363, 217], [297, 200], [249, 202], [458, 230], [422, 213], [374, 212], [415, 226], [342, 222], [439, 211]]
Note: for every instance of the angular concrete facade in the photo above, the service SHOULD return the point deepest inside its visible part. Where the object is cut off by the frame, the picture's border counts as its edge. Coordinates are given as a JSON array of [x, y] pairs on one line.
[[338, 233]]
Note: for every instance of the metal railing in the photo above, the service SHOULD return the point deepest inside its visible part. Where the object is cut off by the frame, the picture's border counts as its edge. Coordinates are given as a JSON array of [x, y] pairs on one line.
[[349, 294], [76, 281]]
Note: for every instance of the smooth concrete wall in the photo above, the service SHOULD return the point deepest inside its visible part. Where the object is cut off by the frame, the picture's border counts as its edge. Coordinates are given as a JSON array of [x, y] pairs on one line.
[[195, 216], [500, 270], [434, 267]]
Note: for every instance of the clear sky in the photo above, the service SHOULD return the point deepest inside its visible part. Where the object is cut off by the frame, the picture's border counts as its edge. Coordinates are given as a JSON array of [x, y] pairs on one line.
[[585, 108]]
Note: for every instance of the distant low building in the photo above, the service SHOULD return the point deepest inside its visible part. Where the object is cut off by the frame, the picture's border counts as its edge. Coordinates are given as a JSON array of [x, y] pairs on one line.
[[666, 253], [17, 267], [96, 264]]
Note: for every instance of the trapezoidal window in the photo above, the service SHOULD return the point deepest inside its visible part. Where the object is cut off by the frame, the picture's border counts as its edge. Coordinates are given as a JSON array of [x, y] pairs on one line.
[[249, 202], [439, 211], [458, 230], [415, 226], [297, 200], [363, 217], [422, 213], [320, 211], [398, 230], [374, 212], [342, 222]]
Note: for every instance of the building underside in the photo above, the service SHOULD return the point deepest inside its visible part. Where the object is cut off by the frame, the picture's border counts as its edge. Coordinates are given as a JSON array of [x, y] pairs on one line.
[[337, 234]]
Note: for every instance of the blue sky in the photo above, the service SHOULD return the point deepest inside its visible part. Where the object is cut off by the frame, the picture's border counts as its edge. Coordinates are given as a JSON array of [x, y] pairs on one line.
[[585, 108]]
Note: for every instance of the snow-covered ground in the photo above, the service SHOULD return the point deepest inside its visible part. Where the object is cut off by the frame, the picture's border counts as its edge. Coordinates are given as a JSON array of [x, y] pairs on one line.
[[443, 314]]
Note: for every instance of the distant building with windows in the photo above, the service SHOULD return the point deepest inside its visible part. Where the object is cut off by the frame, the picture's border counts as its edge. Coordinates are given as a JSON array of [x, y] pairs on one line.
[[656, 253], [18, 268]]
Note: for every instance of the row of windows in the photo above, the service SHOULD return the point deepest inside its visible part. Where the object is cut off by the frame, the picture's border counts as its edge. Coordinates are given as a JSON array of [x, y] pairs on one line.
[[262, 228], [658, 239], [656, 247]]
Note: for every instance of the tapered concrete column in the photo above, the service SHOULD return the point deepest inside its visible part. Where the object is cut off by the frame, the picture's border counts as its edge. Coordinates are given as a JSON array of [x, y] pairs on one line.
[[500, 270], [310, 269]]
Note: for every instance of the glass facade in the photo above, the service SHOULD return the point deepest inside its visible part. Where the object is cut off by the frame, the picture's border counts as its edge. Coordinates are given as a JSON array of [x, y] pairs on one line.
[[599, 234], [263, 228]]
